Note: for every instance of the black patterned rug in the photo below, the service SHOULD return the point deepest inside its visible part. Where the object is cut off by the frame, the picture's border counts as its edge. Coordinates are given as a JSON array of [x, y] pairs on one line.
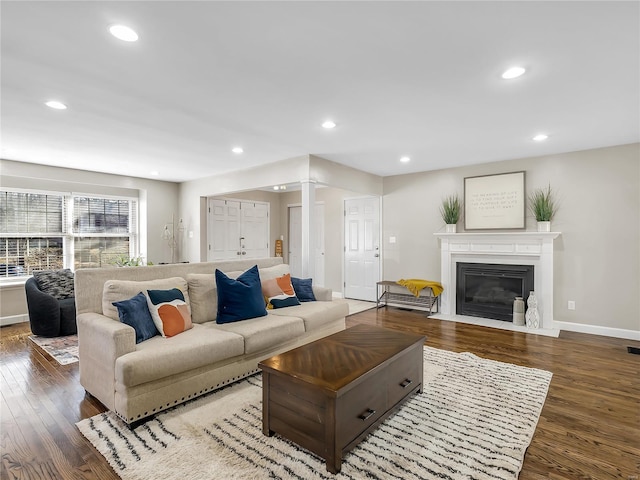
[[474, 420]]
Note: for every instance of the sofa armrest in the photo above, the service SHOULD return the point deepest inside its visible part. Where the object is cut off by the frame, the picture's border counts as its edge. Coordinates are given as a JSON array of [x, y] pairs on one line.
[[101, 341], [322, 294]]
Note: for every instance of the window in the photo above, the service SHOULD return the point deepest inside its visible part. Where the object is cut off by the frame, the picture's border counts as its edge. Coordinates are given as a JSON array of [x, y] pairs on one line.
[[42, 231], [102, 230]]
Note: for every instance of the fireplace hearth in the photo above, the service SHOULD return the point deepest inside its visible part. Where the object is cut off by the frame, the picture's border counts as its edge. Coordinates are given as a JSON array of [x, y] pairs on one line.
[[488, 290]]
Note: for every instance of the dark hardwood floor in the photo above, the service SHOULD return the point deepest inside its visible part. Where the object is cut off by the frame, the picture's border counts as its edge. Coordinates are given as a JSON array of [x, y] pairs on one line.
[[589, 427]]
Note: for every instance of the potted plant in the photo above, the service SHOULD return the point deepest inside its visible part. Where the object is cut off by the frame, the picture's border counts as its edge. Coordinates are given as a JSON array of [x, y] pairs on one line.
[[125, 261], [542, 205], [450, 211]]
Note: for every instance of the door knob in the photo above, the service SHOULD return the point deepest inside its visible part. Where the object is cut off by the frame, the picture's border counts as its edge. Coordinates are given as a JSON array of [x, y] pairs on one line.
[[376, 255]]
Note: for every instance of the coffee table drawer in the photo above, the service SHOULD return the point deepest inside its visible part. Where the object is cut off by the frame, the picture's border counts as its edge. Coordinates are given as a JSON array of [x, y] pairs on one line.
[[359, 408], [403, 376]]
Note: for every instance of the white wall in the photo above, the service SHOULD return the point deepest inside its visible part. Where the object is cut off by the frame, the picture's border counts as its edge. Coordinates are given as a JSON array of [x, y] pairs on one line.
[[333, 200], [339, 176], [191, 194], [597, 259], [293, 170], [157, 201]]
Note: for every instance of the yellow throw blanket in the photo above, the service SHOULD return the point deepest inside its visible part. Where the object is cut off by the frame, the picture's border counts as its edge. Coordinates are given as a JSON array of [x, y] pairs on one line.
[[414, 285]]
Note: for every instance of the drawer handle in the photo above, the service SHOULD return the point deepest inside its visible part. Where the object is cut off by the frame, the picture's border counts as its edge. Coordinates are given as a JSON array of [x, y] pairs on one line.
[[406, 383], [367, 414]]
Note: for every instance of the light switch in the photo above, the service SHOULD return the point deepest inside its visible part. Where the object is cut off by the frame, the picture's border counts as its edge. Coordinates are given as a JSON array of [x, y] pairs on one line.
[[392, 239]]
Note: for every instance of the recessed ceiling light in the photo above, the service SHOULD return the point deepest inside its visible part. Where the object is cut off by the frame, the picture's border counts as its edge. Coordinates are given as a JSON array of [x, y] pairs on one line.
[[540, 137], [329, 124], [237, 150], [123, 33], [405, 159], [56, 104], [154, 173], [513, 72], [276, 187]]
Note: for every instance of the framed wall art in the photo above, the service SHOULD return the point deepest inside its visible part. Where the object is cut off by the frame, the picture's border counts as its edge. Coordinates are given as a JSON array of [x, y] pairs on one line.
[[494, 202]]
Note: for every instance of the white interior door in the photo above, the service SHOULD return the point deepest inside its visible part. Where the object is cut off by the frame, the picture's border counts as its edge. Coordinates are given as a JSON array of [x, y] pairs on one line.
[[223, 229], [362, 248], [254, 238], [295, 243], [237, 229]]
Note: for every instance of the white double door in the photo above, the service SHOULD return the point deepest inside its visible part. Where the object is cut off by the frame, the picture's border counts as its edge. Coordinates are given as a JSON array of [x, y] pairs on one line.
[[295, 243], [237, 229], [362, 248]]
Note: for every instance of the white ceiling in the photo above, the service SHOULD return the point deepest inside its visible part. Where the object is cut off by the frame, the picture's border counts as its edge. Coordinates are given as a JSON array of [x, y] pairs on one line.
[[420, 79]]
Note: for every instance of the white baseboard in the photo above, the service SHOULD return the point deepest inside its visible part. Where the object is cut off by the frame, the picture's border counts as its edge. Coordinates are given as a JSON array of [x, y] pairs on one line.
[[599, 330], [4, 321]]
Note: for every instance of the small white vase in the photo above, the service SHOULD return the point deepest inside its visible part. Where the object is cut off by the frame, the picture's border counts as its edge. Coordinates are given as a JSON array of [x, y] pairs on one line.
[[544, 226], [450, 228]]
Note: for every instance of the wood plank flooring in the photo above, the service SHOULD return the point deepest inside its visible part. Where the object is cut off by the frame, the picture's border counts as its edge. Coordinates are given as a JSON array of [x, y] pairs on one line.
[[589, 427]]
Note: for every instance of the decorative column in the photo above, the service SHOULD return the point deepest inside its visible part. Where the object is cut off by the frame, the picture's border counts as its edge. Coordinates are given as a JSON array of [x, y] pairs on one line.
[[308, 226]]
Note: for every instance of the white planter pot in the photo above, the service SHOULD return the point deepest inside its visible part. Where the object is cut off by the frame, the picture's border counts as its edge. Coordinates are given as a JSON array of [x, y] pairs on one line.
[[450, 228], [544, 226]]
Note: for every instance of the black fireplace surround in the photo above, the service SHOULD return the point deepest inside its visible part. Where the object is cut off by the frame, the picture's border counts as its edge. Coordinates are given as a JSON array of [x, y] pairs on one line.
[[487, 290]]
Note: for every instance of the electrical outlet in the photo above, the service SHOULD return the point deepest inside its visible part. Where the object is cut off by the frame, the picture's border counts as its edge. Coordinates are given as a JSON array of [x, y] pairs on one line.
[[571, 305]]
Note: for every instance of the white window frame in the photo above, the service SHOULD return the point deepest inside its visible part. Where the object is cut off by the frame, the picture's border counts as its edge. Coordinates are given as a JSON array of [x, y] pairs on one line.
[[68, 234]]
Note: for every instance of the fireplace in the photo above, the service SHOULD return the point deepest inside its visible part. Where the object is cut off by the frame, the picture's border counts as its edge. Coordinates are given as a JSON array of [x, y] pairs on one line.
[[504, 248], [487, 290]]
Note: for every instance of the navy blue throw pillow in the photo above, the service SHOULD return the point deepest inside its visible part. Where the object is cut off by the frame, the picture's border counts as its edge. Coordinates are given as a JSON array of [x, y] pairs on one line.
[[239, 299], [303, 289], [135, 313], [284, 302]]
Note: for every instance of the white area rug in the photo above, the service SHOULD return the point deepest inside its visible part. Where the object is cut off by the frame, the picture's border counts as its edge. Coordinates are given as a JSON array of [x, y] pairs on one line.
[[357, 306], [474, 420], [64, 350]]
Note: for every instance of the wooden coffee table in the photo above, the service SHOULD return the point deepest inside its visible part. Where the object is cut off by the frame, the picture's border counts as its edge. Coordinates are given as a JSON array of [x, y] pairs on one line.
[[326, 396]]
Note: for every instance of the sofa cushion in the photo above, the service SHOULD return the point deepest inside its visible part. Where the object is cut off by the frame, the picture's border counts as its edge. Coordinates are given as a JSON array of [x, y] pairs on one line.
[[265, 332], [316, 314], [203, 296], [161, 357], [169, 311], [57, 283], [135, 313], [118, 290], [239, 299], [304, 289]]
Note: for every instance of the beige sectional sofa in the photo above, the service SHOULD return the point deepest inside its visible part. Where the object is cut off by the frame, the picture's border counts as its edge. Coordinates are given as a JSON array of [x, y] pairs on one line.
[[139, 380]]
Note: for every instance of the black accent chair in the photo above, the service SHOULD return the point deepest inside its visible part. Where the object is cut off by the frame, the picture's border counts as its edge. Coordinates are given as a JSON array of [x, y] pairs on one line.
[[48, 316]]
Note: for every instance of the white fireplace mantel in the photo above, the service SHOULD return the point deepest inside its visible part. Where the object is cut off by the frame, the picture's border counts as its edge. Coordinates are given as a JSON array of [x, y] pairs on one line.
[[507, 248]]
